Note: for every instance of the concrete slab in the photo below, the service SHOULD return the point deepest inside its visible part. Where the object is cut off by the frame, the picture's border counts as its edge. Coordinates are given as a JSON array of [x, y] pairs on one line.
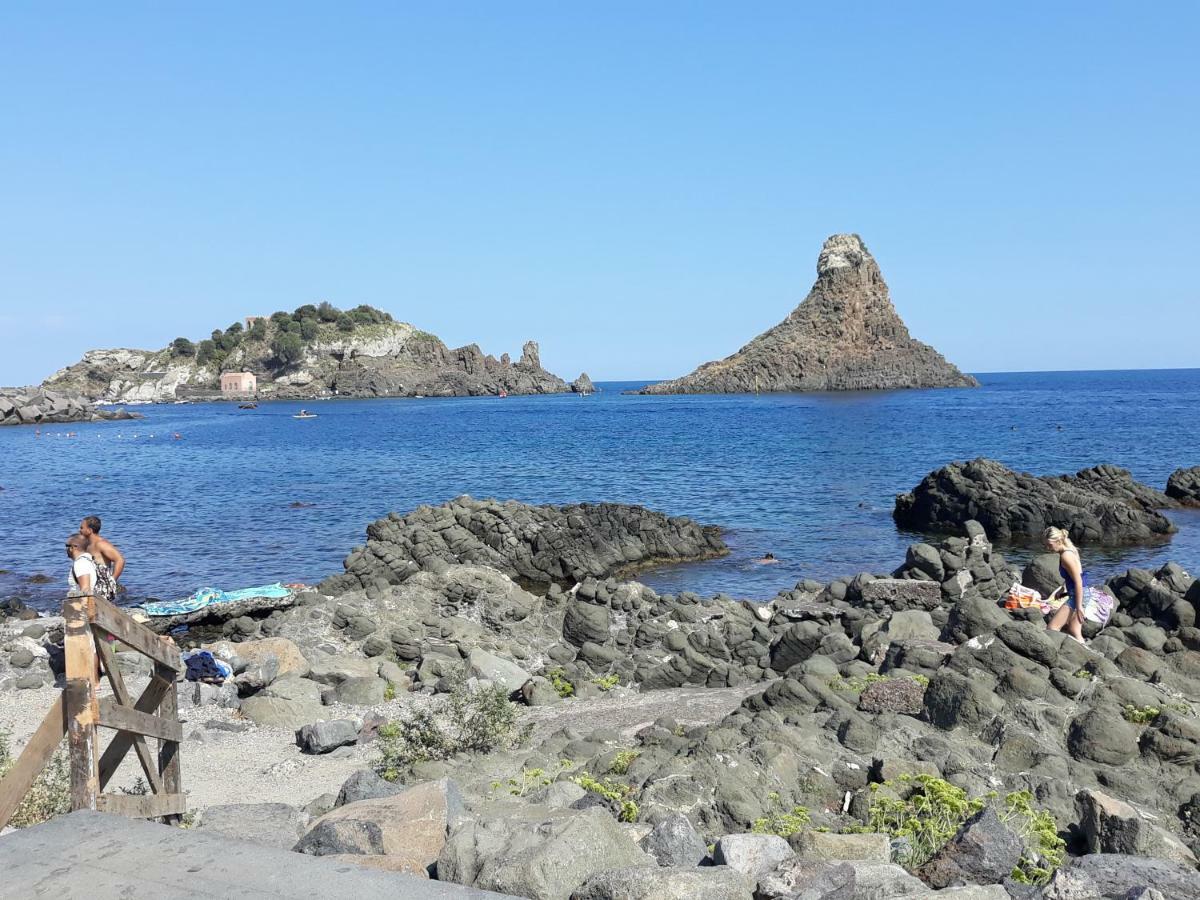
[[96, 856]]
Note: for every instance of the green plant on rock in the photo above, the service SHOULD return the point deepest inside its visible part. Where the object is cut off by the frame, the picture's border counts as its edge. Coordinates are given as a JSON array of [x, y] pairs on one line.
[[531, 779], [607, 682], [779, 821], [1086, 674], [561, 684], [1141, 715], [50, 794], [622, 761], [1039, 831], [389, 693], [471, 721], [613, 791], [859, 683], [928, 817]]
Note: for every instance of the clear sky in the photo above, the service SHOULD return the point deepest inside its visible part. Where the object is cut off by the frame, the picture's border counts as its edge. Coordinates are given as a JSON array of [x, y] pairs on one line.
[[639, 186]]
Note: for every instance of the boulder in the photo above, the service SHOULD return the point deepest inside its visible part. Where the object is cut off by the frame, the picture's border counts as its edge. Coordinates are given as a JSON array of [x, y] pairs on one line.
[[336, 669], [953, 700], [808, 879], [271, 824], [644, 883], [408, 864], [751, 854], [369, 691], [287, 656], [983, 851], [1116, 875], [277, 712], [812, 845], [883, 881], [1109, 825], [499, 671], [413, 824], [1102, 736], [675, 842], [365, 784], [537, 853], [324, 737], [898, 695], [1184, 486]]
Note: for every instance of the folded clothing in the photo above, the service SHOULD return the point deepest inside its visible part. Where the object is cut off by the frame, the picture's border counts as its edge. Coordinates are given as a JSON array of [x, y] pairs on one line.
[[203, 666]]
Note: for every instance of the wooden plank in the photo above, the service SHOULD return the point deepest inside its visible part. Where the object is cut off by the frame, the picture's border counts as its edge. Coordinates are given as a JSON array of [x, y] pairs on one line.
[[168, 751], [159, 648], [126, 718], [143, 806], [80, 699], [117, 680], [123, 740], [20, 778]]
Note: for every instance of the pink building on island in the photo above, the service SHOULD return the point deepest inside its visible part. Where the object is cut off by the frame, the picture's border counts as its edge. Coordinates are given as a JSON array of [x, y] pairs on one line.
[[238, 382]]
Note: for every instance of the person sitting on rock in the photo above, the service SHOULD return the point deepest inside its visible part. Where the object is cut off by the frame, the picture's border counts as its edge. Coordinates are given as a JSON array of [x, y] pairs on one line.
[[108, 559], [1070, 567]]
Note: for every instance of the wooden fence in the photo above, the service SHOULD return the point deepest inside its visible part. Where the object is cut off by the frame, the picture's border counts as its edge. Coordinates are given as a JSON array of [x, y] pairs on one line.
[[91, 624]]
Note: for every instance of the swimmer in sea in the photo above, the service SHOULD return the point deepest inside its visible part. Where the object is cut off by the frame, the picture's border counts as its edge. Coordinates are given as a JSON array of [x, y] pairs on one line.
[[766, 559]]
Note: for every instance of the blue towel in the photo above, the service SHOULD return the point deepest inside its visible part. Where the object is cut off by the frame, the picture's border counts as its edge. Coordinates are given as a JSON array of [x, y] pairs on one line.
[[210, 597]]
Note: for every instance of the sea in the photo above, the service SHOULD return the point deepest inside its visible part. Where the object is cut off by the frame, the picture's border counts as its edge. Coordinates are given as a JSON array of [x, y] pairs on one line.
[[210, 495]]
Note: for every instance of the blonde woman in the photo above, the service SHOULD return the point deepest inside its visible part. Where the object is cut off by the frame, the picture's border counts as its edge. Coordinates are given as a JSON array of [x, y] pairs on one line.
[[1069, 616]]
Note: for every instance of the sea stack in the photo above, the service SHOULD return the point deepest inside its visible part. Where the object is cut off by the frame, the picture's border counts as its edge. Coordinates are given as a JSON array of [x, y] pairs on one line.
[[845, 336]]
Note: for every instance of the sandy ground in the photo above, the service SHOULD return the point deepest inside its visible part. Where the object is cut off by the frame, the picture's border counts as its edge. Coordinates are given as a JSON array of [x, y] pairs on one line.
[[255, 764]]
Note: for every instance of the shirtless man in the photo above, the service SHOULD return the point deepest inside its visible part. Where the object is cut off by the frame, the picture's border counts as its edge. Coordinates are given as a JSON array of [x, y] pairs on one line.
[[101, 549]]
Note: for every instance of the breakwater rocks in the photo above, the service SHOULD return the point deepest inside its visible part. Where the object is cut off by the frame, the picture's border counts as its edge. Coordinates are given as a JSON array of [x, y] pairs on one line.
[[36, 406], [1101, 505], [540, 544], [845, 336]]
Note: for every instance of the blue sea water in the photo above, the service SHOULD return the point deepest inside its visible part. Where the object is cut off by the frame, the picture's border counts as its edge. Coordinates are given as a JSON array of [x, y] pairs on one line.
[[247, 497]]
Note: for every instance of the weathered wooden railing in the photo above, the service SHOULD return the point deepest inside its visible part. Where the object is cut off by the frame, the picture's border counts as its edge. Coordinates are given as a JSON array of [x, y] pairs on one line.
[[90, 625]]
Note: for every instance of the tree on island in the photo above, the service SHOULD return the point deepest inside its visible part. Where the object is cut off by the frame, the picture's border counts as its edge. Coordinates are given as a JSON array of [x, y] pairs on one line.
[[345, 323], [181, 346], [287, 347]]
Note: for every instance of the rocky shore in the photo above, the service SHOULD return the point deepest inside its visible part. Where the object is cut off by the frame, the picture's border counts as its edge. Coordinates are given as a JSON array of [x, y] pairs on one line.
[[845, 336], [558, 732], [1101, 505], [37, 406]]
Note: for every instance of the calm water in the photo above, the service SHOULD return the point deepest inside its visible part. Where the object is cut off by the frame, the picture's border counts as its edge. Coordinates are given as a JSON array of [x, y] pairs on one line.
[[809, 477]]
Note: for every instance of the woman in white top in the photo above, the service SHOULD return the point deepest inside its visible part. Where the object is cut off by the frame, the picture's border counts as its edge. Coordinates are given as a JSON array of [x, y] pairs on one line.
[[83, 567]]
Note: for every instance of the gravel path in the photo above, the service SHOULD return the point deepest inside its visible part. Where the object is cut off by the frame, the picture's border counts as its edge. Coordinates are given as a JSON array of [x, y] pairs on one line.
[[254, 764]]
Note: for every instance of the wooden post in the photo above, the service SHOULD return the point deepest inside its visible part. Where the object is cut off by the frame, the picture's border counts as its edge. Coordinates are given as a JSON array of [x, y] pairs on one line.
[[82, 706], [168, 751]]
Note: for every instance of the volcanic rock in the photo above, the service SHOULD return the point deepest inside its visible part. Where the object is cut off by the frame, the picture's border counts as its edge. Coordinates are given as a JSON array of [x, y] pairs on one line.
[[1102, 505], [544, 544], [1184, 486], [846, 335]]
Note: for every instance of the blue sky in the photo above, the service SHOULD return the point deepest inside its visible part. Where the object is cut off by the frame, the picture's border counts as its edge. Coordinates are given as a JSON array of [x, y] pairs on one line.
[[639, 186]]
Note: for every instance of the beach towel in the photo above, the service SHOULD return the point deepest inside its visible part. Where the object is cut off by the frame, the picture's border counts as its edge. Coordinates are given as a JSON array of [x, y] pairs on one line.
[[211, 597]]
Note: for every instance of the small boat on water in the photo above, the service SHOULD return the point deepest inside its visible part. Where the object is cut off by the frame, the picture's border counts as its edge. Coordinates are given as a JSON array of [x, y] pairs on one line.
[[503, 393], [304, 414]]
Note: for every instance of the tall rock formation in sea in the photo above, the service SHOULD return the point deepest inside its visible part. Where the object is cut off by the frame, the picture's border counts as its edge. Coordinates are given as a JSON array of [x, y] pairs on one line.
[[845, 336]]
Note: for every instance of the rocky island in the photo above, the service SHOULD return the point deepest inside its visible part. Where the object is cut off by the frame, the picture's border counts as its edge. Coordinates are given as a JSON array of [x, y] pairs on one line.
[[845, 336], [315, 351]]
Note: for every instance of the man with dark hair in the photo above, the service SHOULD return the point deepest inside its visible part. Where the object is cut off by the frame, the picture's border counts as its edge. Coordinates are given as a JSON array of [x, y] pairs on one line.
[[106, 556]]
